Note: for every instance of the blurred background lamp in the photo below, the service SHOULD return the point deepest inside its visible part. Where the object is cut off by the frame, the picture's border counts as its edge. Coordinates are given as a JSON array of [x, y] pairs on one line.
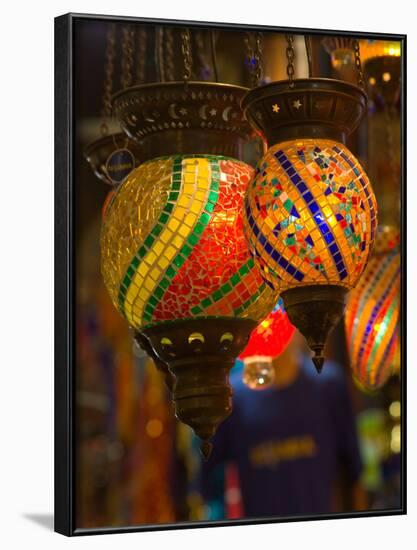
[[267, 341], [373, 312]]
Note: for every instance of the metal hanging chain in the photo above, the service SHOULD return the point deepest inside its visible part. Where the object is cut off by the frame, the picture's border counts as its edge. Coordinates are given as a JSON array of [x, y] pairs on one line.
[[186, 53], [249, 54], [356, 49], [290, 53], [159, 52], [309, 49], [169, 54], [254, 46], [213, 54], [141, 39], [389, 122], [258, 58], [108, 78], [128, 40], [204, 69]]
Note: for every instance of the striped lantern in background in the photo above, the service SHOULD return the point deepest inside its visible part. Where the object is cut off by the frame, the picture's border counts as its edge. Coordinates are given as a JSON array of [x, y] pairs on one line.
[[372, 315]]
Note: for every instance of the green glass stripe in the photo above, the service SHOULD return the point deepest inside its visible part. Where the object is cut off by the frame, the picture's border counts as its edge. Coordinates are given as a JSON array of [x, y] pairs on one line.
[[229, 285], [250, 301], [199, 228], [380, 335], [206, 302], [141, 253], [217, 295]]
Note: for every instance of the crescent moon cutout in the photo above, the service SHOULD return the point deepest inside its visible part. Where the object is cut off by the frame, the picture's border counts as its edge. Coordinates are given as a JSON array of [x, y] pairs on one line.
[[225, 114], [148, 117], [203, 112], [131, 119], [171, 111]]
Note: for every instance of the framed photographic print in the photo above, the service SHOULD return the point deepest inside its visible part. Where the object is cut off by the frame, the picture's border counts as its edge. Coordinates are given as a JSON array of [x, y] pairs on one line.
[[230, 274]]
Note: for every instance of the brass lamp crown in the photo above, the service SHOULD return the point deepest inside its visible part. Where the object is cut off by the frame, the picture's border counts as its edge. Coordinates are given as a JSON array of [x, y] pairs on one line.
[[194, 117], [312, 108]]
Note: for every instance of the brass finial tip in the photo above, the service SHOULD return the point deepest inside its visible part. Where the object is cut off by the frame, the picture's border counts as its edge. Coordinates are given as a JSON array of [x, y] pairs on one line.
[[318, 361], [206, 447]]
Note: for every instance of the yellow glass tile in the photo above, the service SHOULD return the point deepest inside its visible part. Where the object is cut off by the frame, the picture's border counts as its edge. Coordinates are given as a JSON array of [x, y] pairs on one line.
[[190, 219], [184, 200], [143, 269], [163, 262], [155, 274], [170, 252], [189, 179], [151, 257], [189, 188], [177, 241], [173, 224], [143, 294], [201, 195], [166, 235], [157, 248], [196, 206]]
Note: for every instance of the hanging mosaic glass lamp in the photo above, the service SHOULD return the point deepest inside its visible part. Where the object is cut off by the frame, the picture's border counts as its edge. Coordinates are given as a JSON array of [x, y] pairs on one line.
[[372, 314], [113, 156], [382, 67], [174, 256], [310, 211], [341, 52], [270, 338]]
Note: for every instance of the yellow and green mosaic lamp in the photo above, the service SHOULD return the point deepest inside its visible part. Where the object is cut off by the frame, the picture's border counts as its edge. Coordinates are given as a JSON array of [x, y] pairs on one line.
[[174, 256], [310, 211], [173, 245]]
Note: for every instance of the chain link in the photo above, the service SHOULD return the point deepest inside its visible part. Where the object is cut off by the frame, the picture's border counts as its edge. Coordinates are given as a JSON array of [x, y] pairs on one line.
[[108, 78], [254, 46], [204, 69], [390, 143], [169, 53], [249, 56], [128, 39], [358, 64], [141, 40], [290, 53], [258, 58], [186, 53]]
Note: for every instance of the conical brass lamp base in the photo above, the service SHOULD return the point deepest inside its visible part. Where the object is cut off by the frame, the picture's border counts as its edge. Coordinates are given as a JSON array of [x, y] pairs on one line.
[[315, 310], [200, 353]]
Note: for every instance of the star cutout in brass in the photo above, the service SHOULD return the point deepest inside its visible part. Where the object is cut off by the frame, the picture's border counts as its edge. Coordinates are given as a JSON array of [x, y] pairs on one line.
[[276, 108], [296, 104], [213, 112], [183, 111]]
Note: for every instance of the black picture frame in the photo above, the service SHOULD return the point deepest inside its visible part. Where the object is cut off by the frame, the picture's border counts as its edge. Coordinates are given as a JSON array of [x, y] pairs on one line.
[[65, 281]]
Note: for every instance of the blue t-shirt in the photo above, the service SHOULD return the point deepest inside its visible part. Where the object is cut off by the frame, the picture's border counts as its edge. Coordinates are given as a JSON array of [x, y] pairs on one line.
[[287, 443]]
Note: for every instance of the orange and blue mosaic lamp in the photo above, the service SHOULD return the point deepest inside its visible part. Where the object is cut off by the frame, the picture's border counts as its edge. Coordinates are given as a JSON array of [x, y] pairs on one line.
[[310, 211], [270, 338], [372, 315], [174, 256]]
